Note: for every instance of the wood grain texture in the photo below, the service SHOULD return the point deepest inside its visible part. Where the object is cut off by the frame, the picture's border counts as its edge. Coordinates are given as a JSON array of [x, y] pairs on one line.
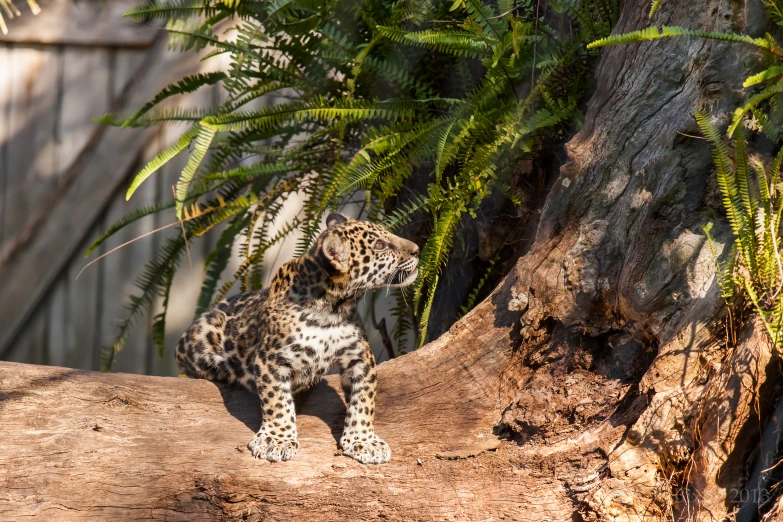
[[78, 445], [125, 63], [621, 275], [83, 23]]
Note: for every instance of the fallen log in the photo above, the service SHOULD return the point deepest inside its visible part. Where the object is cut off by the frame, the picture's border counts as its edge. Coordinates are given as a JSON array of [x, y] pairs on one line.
[[79, 445]]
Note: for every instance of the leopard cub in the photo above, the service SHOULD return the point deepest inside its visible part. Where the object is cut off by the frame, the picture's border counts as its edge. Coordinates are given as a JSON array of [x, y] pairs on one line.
[[281, 340]]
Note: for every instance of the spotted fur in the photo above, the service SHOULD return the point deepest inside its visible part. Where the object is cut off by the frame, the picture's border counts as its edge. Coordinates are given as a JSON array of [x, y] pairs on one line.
[[281, 340]]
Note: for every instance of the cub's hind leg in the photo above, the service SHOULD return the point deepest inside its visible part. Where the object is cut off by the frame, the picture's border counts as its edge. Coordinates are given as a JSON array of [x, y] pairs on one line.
[[216, 346], [200, 352]]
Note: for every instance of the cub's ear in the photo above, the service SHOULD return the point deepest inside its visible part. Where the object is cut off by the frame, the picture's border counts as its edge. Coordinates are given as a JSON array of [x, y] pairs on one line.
[[335, 248], [335, 218]]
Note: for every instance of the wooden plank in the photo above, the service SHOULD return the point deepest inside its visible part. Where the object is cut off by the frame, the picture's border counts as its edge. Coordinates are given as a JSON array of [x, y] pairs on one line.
[[126, 63], [32, 344], [5, 107], [59, 320], [59, 337], [94, 177], [73, 316], [84, 71], [83, 301], [122, 268], [31, 148], [86, 22]]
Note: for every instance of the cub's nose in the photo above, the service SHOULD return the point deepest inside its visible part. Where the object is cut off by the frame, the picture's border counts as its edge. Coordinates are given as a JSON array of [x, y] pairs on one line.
[[410, 247]]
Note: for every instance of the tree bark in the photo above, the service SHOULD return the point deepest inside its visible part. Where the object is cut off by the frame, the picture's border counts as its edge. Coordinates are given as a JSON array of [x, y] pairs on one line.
[[618, 293], [595, 383]]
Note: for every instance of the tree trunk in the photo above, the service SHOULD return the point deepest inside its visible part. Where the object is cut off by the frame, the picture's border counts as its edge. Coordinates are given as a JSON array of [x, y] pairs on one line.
[[595, 383], [623, 351]]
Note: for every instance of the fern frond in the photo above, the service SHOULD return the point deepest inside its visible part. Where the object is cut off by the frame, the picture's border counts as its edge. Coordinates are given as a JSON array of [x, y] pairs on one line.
[[169, 10], [404, 324], [152, 278], [257, 257], [471, 301], [653, 33], [654, 7], [184, 86], [203, 141], [741, 172], [769, 73], [727, 183], [317, 109], [216, 262], [773, 9], [159, 321], [435, 251], [457, 43], [404, 214], [155, 116], [752, 102], [161, 159], [126, 220], [425, 314]]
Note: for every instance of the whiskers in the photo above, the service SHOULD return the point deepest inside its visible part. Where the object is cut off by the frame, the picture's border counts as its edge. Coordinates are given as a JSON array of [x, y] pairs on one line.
[[404, 271], [400, 277], [389, 280]]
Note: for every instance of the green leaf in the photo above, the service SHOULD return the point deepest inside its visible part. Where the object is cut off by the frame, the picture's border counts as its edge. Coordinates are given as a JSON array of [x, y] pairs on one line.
[[739, 112], [161, 158], [773, 71], [652, 33], [654, 7], [184, 86], [425, 315], [166, 10], [458, 43], [203, 141]]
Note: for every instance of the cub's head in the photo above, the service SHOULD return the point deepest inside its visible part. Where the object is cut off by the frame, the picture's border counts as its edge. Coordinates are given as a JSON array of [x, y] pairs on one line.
[[368, 254]]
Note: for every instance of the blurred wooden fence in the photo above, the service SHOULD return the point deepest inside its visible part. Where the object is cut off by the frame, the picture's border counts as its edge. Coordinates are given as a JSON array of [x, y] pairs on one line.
[[63, 178]]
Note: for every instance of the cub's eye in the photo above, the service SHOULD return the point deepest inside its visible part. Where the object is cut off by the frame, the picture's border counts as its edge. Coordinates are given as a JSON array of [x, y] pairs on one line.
[[380, 245]]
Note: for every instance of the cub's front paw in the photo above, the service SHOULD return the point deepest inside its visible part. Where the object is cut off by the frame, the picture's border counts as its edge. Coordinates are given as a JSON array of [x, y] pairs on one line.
[[273, 448], [367, 449]]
